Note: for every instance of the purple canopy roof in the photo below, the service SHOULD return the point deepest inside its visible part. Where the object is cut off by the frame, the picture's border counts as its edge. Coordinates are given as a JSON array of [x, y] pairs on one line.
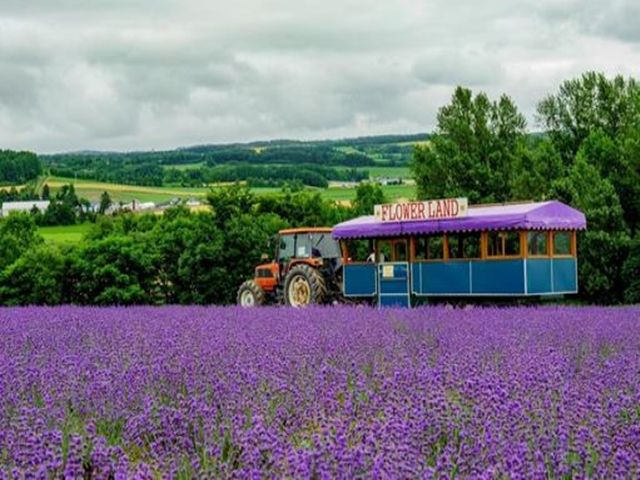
[[551, 215]]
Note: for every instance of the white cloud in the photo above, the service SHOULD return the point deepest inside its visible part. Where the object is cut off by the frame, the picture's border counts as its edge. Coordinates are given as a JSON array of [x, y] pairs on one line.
[[146, 74]]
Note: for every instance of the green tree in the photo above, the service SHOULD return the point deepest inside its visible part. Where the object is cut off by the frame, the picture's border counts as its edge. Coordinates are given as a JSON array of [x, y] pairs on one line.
[[603, 247], [105, 202], [46, 193], [229, 202], [203, 274], [35, 278], [247, 238], [473, 150], [304, 209], [117, 270], [103, 227], [18, 233], [18, 167], [59, 213], [535, 168], [367, 196], [192, 266], [586, 104], [601, 118], [631, 273]]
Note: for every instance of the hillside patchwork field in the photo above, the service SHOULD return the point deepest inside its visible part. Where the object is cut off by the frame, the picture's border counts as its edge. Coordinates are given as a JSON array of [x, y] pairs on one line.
[[92, 190]]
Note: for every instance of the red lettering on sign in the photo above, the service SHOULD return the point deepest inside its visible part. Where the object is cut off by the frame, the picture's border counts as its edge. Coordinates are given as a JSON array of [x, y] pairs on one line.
[[455, 207], [406, 211], [427, 210], [446, 209]]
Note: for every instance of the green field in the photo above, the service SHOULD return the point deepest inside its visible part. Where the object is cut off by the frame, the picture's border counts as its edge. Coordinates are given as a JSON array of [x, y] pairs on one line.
[[393, 192], [92, 190], [68, 234], [389, 172], [184, 166]]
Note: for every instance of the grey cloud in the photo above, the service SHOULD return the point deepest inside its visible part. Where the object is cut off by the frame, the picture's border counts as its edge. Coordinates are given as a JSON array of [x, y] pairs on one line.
[[621, 20], [123, 74], [446, 67]]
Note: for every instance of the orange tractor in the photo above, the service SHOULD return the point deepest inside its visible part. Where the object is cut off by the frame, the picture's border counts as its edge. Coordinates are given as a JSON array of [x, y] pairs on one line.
[[306, 270]]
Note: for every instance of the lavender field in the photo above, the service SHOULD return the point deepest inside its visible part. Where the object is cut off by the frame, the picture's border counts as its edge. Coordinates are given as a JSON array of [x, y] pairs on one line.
[[323, 393]]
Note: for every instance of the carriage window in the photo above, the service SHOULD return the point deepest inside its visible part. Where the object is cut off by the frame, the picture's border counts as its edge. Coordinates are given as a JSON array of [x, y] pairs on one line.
[[429, 248], [359, 250], [384, 251], [538, 243], [400, 251], [466, 245], [503, 244], [562, 243]]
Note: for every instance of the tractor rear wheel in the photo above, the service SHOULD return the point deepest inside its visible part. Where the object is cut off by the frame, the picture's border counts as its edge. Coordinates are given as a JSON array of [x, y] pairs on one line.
[[250, 294], [304, 286]]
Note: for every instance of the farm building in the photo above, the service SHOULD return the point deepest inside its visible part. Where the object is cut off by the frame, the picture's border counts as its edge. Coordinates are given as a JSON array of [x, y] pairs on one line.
[[27, 206], [138, 206]]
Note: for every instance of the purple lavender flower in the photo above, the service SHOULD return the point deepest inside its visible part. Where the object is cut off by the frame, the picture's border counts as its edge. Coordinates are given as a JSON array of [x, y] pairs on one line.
[[324, 392]]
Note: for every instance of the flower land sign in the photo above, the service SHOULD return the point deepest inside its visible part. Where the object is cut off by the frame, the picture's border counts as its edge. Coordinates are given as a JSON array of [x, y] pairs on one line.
[[420, 211]]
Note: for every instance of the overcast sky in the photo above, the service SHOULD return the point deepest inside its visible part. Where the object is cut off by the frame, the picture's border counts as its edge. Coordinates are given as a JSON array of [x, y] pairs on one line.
[[155, 74]]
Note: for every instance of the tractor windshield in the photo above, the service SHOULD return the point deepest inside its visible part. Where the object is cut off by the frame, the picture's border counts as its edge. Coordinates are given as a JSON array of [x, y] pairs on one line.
[[308, 245], [286, 247], [323, 245]]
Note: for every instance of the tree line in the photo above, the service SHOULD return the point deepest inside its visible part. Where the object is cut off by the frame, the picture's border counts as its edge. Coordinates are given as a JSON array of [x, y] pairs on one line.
[[18, 167], [179, 257], [587, 155], [263, 175], [245, 162]]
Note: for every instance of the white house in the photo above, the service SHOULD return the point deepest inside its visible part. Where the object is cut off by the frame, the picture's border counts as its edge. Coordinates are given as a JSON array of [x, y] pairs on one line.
[[8, 207], [137, 206]]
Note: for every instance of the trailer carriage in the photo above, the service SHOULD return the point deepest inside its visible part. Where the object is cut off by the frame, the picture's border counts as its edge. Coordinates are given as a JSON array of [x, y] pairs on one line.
[[417, 251]]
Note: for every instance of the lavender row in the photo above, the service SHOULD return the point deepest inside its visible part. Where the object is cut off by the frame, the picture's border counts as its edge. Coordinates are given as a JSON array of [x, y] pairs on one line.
[[324, 392]]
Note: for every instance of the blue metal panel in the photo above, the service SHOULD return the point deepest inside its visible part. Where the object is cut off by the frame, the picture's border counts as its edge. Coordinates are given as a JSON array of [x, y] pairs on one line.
[[564, 275], [498, 277], [398, 285], [416, 278], [393, 279], [394, 301], [442, 278], [360, 280], [539, 275]]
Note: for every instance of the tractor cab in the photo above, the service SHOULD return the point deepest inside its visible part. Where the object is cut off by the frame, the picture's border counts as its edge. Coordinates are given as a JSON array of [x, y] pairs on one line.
[[303, 271]]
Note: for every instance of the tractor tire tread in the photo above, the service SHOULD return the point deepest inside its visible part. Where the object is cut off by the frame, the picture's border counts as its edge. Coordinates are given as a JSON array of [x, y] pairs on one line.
[[258, 293], [318, 284]]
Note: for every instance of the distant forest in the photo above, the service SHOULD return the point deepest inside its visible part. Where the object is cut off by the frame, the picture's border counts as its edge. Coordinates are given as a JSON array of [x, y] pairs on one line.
[[273, 163], [18, 167]]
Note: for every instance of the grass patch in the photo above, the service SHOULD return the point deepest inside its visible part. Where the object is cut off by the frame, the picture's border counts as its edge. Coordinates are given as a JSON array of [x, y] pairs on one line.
[[68, 234], [393, 192]]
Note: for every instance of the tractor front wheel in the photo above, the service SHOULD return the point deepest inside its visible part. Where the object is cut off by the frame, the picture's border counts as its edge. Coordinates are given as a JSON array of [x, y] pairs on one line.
[[250, 294], [304, 286]]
